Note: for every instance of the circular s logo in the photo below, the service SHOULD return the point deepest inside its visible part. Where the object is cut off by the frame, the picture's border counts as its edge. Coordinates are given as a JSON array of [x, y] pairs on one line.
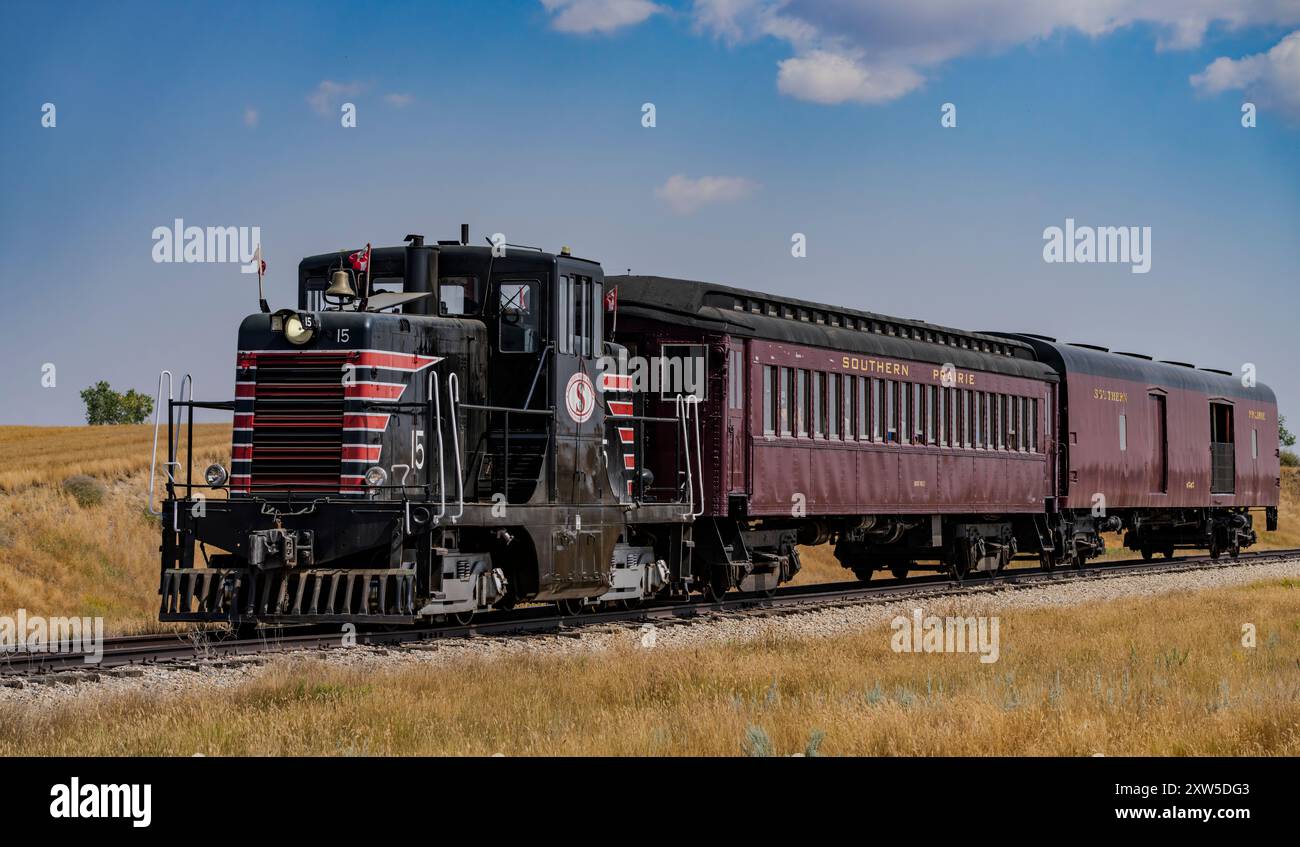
[[580, 398]]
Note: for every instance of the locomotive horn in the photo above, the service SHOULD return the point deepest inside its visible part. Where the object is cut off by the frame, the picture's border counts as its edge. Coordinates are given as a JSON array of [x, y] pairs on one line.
[[341, 286]]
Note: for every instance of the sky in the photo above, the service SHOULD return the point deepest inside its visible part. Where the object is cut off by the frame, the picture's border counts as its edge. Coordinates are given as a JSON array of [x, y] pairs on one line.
[[771, 118]]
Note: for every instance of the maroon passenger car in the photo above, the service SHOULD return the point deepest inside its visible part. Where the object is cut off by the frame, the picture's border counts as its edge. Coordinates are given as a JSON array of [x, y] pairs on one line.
[[901, 441]]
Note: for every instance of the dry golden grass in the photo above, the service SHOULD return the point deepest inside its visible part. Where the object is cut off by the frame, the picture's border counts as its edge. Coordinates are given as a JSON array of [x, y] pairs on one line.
[[1152, 676], [59, 558], [46, 455]]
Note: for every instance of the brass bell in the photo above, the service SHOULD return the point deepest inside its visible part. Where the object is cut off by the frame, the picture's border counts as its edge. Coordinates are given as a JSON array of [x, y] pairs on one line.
[[341, 286]]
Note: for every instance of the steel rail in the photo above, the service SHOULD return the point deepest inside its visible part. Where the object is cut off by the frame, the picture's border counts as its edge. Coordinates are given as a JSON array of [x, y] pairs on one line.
[[184, 649]]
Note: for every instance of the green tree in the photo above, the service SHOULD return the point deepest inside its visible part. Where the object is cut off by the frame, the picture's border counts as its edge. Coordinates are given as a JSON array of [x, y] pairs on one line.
[[1283, 434], [106, 406]]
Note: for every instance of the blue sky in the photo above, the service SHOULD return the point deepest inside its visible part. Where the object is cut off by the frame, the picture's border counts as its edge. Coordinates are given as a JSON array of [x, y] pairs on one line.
[[777, 117]]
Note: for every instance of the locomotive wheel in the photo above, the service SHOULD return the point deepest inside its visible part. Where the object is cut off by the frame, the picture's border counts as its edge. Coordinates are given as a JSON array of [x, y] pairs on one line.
[[1169, 552], [1214, 549], [1235, 550], [1047, 560], [718, 584], [570, 607], [863, 573], [1148, 554], [899, 571]]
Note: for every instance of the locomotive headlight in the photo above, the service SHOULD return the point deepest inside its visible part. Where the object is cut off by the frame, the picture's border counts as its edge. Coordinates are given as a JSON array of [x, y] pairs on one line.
[[376, 476], [216, 476], [299, 329]]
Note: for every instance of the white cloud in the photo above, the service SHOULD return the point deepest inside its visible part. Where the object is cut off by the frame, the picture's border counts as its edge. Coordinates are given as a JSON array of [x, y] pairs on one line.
[[876, 51], [825, 77], [329, 95], [685, 195], [251, 117], [398, 100], [585, 16], [1271, 79]]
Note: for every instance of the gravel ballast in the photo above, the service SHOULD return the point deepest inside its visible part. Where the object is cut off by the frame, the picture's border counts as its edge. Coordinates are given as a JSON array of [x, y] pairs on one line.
[[191, 677]]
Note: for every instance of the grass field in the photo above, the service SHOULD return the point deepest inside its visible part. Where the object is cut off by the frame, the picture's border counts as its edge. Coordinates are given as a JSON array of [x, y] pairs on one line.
[[60, 558], [1164, 675]]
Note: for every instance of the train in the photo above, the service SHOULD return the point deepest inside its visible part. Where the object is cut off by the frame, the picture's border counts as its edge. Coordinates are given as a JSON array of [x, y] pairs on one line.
[[439, 429]]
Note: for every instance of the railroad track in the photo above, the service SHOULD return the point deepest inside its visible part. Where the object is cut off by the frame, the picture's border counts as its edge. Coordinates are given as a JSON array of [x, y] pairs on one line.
[[191, 649]]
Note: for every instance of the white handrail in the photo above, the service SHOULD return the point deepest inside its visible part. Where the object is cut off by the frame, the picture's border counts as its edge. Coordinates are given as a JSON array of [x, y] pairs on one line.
[[453, 397], [679, 402], [153, 458], [693, 402], [437, 426]]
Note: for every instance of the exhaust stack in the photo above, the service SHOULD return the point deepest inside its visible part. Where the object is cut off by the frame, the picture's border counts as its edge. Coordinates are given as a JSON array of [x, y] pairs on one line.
[[420, 274]]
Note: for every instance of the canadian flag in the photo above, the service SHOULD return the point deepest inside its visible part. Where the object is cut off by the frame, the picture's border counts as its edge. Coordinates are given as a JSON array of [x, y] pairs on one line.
[[611, 299], [361, 259]]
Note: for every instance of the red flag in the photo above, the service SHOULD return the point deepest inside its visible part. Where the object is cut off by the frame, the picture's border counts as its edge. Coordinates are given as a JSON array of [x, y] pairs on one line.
[[611, 300], [361, 259]]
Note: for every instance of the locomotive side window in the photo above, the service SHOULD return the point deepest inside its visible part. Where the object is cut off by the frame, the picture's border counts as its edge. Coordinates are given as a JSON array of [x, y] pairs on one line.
[[769, 407], [1123, 432], [517, 319], [597, 317], [578, 294], [459, 295], [1033, 425], [563, 334], [1254, 444], [982, 420]]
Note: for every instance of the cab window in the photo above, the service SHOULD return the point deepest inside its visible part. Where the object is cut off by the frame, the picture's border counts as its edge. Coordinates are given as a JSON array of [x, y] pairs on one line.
[[518, 319], [459, 295]]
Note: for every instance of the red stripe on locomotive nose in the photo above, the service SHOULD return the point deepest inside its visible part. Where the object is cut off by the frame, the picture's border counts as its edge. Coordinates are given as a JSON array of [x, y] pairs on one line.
[[616, 382], [626, 434], [375, 422], [374, 390], [629, 462], [620, 408]]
